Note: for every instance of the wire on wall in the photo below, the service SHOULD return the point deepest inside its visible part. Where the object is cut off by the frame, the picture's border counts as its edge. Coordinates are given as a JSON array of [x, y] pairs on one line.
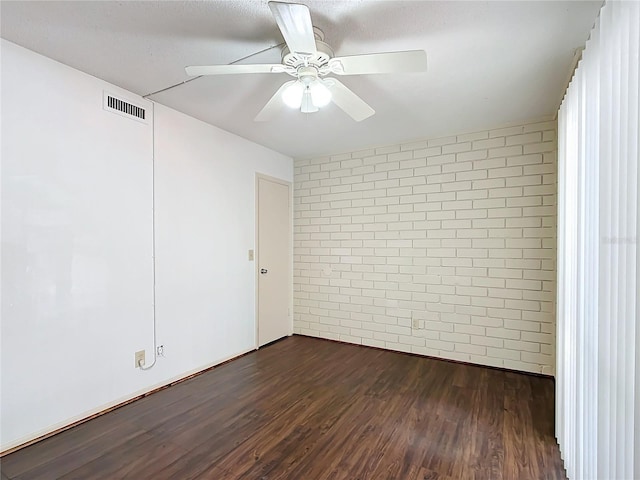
[[153, 236], [141, 365]]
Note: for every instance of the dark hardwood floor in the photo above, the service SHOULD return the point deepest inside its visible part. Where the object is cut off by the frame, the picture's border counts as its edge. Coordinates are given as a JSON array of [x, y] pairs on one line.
[[308, 409]]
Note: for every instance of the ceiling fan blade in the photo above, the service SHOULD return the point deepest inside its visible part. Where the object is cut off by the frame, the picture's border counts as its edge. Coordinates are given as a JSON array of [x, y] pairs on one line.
[[348, 101], [294, 21], [274, 105], [198, 70], [391, 62]]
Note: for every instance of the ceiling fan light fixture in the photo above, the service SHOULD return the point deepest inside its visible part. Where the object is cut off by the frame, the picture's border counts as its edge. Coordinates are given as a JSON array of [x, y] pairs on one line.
[[292, 95], [307, 102], [320, 94]]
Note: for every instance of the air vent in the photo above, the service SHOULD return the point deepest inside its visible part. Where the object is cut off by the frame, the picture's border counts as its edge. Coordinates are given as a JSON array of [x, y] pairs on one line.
[[125, 108]]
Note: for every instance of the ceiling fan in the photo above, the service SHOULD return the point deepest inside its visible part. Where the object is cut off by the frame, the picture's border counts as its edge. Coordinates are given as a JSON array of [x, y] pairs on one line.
[[309, 60]]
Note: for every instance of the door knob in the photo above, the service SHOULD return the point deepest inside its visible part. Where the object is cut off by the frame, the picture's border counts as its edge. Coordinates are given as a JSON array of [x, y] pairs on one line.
[[263, 271]]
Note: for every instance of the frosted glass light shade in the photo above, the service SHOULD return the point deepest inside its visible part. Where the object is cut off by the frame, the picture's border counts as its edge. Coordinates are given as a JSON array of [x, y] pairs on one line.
[[317, 91], [292, 95], [320, 94]]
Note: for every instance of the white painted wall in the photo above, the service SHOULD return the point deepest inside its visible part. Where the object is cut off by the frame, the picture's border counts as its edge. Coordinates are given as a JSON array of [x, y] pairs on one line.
[[205, 226], [443, 247], [77, 245]]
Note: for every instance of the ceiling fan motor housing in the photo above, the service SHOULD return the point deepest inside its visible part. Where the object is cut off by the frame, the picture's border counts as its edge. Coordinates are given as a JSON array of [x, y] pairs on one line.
[[318, 60], [307, 75]]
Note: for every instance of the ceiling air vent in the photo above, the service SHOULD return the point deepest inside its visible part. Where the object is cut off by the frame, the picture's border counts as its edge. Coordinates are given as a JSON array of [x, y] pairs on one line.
[[124, 107]]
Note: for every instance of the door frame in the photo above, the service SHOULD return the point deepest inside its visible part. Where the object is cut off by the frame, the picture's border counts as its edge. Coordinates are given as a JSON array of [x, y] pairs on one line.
[[289, 185]]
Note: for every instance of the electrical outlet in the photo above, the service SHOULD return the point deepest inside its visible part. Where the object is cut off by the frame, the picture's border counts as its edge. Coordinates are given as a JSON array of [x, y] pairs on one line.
[[416, 324], [139, 358], [251, 255], [160, 350]]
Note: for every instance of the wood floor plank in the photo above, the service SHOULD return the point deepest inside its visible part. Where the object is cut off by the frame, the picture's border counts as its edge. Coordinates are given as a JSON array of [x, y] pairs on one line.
[[144, 455], [543, 416], [70, 449], [305, 408], [490, 421], [519, 433], [348, 443], [283, 443]]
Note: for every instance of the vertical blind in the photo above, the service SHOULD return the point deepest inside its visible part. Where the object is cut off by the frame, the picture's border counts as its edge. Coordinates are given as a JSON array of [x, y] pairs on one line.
[[598, 336]]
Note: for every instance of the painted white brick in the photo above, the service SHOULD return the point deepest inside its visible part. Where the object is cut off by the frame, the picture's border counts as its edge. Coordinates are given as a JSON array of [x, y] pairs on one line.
[[395, 157], [487, 322], [546, 169], [503, 333], [467, 137], [385, 150], [505, 172], [441, 141], [387, 337], [472, 330], [471, 175], [458, 166], [525, 160], [525, 222], [490, 143], [540, 126], [540, 147], [414, 145], [457, 147], [456, 186], [373, 343], [441, 159], [471, 194], [490, 163], [537, 358], [486, 341], [469, 348], [427, 152], [489, 203], [457, 233], [386, 166], [490, 183], [421, 180], [473, 155], [524, 138], [522, 346], [504, 354], [541, 338], [506, 192], [387, 183], [504, 132], [363, 170], [411, 340], [505, 151], [525, 180]]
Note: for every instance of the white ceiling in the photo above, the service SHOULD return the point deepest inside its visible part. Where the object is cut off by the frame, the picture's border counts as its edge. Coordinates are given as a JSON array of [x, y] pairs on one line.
[[490, 63]]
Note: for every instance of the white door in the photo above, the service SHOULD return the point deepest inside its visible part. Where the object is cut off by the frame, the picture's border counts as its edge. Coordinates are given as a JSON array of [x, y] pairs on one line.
[[274, 270]]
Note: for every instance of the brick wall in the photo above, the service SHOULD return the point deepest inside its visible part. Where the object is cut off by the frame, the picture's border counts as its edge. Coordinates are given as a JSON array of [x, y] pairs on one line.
[[443, 247]]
